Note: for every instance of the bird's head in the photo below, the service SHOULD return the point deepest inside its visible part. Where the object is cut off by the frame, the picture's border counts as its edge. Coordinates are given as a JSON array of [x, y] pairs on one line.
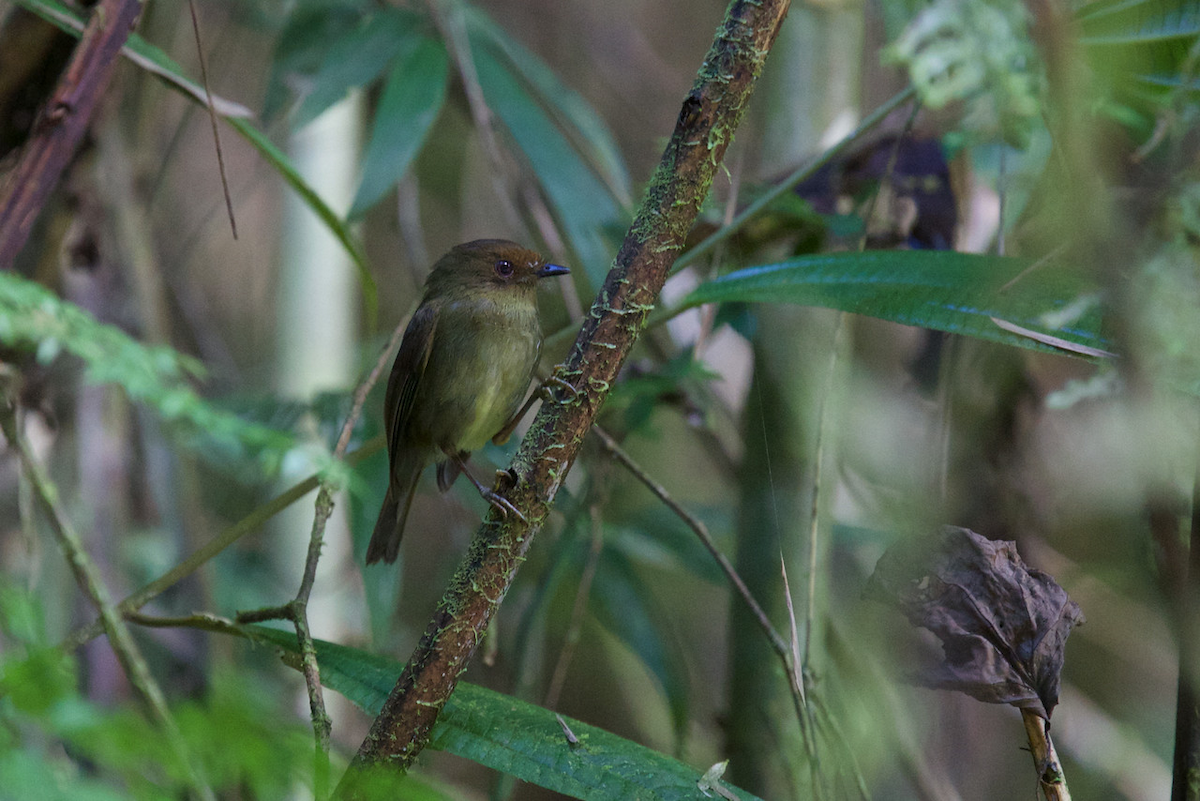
[[489, 265]]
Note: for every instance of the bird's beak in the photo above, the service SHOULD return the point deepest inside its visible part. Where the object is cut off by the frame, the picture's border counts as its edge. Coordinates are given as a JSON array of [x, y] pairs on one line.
[[549, 270]]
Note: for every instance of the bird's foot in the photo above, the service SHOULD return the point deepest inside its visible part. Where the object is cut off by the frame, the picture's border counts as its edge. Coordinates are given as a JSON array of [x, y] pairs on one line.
[[555, 381], [501, 504]]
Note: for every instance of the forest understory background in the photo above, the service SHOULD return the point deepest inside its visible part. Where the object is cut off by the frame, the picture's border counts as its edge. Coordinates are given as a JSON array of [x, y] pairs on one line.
[[946, 275]]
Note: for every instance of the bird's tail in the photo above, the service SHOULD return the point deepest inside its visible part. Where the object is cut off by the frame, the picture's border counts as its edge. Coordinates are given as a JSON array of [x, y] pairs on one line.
[[389, 528]]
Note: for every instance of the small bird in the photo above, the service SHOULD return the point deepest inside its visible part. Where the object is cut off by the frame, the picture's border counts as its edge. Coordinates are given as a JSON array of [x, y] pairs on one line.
[[464, 365]]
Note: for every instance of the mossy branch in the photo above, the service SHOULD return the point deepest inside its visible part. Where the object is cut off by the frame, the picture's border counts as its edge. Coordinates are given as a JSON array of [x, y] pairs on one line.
[[709, 116]]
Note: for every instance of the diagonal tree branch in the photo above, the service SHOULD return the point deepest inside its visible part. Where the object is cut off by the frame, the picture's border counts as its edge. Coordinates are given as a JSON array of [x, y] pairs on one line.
[[62, 122], [709, 116]]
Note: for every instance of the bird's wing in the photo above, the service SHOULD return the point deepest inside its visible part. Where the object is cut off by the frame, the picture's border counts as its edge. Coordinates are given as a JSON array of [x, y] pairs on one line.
[[406, 373]]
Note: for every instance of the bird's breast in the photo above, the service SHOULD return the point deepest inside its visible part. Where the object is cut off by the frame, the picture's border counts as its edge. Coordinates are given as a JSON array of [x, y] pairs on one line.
[[484, 356]]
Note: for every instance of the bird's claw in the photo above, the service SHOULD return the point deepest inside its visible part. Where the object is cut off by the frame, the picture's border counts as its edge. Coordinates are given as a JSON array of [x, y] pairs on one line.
[[546, 392], [503, 505], [505, 479]]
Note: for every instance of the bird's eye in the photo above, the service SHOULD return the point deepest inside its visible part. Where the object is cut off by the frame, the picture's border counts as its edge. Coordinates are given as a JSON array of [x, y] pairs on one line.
[[504, 268]]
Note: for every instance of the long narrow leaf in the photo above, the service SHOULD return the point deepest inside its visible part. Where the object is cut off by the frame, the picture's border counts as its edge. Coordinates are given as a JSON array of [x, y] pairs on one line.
[[412, 99], [581, 123], [579, 200], [513, 736], [978, 296], [1139, 21], [358, 58]]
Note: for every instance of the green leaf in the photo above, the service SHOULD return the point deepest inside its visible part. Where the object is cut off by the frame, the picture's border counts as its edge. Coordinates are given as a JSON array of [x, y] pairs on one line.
[[301, 46], [358, 58], [960, 293], [36, 683], [575, 117], [1139, 22], [513, 736], [587, 212], [412, 99]]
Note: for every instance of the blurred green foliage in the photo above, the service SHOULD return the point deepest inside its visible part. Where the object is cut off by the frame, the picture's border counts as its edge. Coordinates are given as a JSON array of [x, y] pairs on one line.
[[55, 744], [34, 319]]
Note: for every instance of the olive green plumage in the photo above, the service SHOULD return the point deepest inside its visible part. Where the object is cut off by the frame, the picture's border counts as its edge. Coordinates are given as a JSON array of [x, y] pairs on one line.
[[462, 370]]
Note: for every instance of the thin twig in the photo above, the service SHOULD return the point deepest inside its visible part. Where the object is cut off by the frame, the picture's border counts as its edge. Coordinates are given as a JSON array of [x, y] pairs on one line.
[[212, 116], [297, 610], [701, 531], [201, 620], [89, 581], [1050, 776], [202, 555]]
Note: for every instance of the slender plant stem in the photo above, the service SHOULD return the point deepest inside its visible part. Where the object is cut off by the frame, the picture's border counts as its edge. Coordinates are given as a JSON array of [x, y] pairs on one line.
[[202, 555], [201, 620], [1051, 780], [89, 581], [297, 609], [778, 644]]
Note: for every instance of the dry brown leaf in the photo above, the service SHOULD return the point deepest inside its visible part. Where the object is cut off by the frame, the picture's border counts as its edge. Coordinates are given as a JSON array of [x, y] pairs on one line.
[[1003, 625]]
